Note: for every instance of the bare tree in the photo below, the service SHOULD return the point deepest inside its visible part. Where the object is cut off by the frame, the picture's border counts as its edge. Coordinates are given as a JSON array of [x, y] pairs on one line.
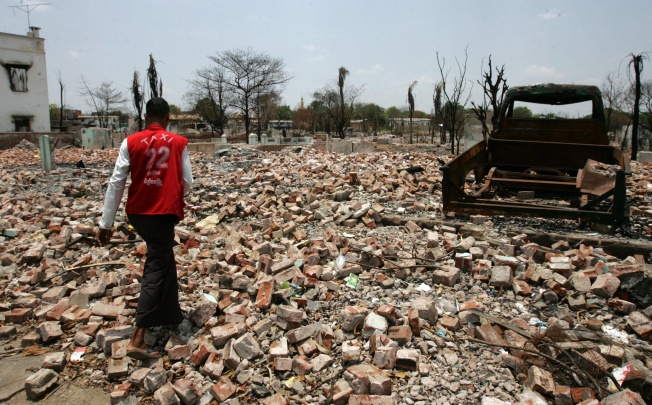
[[342, 121], [493, 95], [328, 105], [646, 113], [456, 99], [103, 99], [248, 73], [266, 105], [410, 97], [61, 87], [437, 116], [637, 63], [137, 98], [155, 82], [209, 97], [613, 96]]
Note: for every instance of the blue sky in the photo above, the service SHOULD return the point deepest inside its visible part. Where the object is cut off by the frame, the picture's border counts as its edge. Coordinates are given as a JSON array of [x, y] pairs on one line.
[[386, 45]]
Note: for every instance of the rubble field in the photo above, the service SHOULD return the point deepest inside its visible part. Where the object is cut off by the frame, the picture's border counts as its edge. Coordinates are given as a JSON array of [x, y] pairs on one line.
[[315, 278]]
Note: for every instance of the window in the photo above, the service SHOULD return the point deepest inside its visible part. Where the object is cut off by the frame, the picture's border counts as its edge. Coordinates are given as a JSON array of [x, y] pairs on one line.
[[22, 123], [18, 78]]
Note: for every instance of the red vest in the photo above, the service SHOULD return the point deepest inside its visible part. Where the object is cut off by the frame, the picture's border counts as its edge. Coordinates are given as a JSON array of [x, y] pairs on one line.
[[156, 167]]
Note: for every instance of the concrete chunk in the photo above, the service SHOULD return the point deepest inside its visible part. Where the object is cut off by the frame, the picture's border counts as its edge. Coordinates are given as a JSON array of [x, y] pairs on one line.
[[39, 383]]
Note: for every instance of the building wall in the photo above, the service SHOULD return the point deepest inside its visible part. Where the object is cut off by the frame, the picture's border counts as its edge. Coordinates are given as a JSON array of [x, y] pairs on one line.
[[112, 121], [26, 55]]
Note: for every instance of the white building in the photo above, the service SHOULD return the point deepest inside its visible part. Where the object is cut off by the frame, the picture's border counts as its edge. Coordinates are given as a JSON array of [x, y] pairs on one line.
[[111, 122], [23, 83]]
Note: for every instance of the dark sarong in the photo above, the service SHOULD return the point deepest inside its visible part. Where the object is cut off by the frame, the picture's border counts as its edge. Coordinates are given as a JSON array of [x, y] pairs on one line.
[[158, 303]]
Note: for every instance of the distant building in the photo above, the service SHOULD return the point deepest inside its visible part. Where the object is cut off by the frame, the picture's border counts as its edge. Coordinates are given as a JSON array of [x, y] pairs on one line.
[[111, 122], [187, 124], [402, 125], [644, 137], [23, 83]]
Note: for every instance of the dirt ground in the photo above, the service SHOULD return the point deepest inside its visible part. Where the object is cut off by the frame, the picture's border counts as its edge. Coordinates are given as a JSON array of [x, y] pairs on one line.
[[15, 369]]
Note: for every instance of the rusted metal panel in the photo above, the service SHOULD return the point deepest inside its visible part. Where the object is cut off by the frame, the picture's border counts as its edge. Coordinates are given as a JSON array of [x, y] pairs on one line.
[[553, 157]]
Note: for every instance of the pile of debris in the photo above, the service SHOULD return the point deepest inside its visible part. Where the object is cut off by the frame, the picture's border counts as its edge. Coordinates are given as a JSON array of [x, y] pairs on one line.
[[320, 278]]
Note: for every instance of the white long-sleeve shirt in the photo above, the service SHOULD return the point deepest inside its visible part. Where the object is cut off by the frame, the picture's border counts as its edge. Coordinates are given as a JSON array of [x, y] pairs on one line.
[[118, 180]]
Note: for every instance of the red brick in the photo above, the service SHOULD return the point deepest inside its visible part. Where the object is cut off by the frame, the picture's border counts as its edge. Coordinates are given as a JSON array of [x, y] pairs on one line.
[[640, 324], [556, 287], [447, 275], [624, 270], [223, 389], [605, 285], [388, 312], [563, 395], [582, 394], [55, 313], [276, 399], [414, 321], [487, 333], [450, 323], [402, 334], [282, 364], [625, 397], [371, 400], [465, 306], [200, 355], [301, 365], [18, 315], [622, 306], [264, 296], [90, 329], [522, 288], [541, 381]]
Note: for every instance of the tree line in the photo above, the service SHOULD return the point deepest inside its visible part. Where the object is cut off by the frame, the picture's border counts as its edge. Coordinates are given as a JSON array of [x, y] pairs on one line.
[[248, 84]]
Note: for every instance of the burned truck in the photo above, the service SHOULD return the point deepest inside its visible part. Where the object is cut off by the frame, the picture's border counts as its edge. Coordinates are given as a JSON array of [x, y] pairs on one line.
[[542, 165]]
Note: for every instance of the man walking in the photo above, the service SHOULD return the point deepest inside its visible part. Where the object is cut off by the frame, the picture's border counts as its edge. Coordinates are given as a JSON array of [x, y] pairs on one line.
[[160, 175]]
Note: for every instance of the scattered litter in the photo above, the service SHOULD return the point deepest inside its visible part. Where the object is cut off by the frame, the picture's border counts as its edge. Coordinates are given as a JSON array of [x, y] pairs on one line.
[[352, 280], [534, 321], [615, 334], [521, 307], [424, 287], [619, 374], [210, 221], [339, 262], [210, 298], [77, 355], [448, 307]]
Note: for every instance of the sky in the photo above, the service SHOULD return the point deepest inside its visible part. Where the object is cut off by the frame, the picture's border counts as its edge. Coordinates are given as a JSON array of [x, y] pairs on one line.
[[385, 45]]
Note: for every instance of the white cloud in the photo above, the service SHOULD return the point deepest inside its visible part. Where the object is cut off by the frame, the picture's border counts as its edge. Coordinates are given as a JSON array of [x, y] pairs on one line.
[[74, 55], [315, 53], [377, 68], [539, 72], [551, 14]]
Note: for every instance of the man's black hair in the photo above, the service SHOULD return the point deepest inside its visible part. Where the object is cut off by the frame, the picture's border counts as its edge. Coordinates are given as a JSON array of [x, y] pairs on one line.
[[157, 107]]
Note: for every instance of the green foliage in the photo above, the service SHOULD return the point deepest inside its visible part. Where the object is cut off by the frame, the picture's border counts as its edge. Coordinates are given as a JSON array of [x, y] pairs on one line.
[[123, 118], [395, 112], [372, 113], [54, 112], [205, 108], [284, 112], [522, 112], [174, 109]]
